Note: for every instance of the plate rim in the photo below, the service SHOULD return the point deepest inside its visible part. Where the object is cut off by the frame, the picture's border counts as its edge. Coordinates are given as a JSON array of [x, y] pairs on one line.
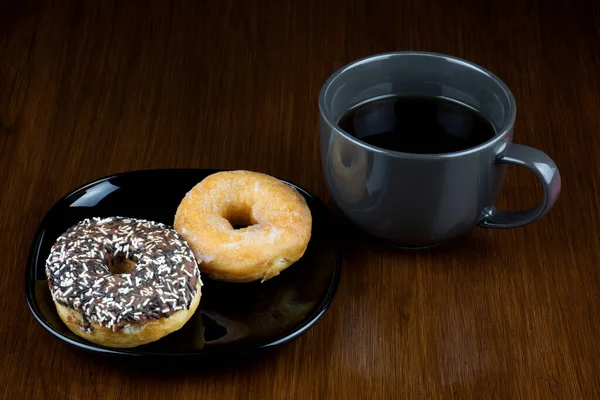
[[275, 341]]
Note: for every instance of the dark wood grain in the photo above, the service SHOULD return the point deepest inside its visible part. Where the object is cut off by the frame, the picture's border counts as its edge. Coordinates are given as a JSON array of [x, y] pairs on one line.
[[97, 87]]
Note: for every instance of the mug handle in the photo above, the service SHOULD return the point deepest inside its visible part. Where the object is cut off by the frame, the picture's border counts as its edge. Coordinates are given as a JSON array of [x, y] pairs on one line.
[[544, 168]]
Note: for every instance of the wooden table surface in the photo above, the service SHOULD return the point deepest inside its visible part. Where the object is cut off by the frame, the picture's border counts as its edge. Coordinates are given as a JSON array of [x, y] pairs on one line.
[[93, 88]]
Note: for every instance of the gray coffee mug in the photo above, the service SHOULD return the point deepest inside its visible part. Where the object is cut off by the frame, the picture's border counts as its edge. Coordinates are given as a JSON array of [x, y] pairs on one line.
[[421, 200]]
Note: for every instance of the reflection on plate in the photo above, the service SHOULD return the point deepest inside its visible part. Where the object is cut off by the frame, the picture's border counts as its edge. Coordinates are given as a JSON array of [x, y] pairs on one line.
[[232, 317]]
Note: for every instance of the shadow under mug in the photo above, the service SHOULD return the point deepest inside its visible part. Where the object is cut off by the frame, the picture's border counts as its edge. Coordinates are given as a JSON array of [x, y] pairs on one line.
[[421, 200]]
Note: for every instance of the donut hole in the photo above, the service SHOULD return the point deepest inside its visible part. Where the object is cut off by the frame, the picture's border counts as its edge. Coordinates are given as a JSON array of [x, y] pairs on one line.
[[347, 158], [239, 217], [120, 264]]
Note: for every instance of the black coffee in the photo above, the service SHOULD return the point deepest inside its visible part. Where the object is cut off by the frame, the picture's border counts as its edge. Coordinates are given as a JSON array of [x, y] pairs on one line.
[[417, 124]]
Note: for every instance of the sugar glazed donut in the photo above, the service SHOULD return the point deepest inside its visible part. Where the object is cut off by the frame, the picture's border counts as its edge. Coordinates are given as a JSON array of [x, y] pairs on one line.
[[278, 227], [123, 282]]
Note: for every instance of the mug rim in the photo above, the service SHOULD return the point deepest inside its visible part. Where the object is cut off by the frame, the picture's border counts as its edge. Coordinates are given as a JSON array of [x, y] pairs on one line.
[[503, 132]]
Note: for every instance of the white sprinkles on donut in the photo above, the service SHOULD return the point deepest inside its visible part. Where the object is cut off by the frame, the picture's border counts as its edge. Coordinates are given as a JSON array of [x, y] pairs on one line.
[[163, 281]]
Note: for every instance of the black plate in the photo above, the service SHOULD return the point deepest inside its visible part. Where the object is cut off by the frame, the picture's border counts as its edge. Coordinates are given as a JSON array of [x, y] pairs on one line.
[[232, 317]]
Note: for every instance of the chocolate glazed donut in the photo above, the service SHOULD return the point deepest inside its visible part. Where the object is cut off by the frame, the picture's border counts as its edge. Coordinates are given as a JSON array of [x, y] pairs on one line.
[[123, 282]]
